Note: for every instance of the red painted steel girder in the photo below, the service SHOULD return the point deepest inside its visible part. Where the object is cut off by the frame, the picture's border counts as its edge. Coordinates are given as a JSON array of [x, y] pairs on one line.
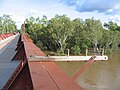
[[44, 75], [48, 76], [26, 48], [14, 75], [4, 36], [20, 79], [90, 61], [32, 50], [1, 37], [25, 38]]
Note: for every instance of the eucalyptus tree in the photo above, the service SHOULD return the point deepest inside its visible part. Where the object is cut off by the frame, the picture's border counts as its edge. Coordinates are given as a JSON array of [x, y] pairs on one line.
[[8, 25], [115, 38], [110, 40], [78, 42], [61, 33], [60, 28], [94, 31], [32, 28], [36, 27]]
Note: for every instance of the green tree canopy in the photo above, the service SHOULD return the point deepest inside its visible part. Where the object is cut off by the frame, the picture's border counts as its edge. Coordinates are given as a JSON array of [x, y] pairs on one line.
[[60, 28], [94, 31], [61, 33], [112, 26], [7, 25]]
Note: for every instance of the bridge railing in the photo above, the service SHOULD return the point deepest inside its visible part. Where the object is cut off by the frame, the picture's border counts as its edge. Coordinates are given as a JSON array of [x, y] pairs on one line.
[[5, 37]]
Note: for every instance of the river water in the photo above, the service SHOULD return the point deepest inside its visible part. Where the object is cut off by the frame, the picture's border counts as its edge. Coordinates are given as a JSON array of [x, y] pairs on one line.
[[101, 75]]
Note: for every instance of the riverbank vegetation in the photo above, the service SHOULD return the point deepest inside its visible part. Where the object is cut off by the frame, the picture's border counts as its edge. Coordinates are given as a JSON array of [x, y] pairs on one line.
[[61, 33]]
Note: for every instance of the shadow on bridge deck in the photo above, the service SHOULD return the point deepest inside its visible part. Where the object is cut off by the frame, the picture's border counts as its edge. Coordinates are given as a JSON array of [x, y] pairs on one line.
[[7, 67]]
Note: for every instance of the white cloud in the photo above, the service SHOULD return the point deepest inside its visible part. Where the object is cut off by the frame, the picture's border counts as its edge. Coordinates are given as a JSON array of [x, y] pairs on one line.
[[115, 18], [101, 6], [33, 11]]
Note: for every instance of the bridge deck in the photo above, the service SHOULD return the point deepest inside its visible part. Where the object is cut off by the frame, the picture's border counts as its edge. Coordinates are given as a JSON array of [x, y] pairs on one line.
[[7, 67], [30, 75]]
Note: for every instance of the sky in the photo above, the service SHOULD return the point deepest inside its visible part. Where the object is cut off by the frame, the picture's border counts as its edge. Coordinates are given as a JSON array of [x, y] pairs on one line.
[[104, 10]]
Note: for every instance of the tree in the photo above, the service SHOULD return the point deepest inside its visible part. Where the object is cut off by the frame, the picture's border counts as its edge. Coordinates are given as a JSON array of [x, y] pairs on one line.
[[36, 28], [78, 41], [112, 26], [61, 33], [110, 40], [60, 28], [1, 27], [93, 28], [7, 24], [33, 27]]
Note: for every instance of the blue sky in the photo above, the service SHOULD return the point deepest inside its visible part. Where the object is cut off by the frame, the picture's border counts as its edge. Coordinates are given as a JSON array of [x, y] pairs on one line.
[[105, 10]]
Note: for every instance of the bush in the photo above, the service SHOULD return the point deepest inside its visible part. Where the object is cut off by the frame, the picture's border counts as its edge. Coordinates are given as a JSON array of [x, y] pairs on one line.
[[83, 47], [60, 53], [75, 50]]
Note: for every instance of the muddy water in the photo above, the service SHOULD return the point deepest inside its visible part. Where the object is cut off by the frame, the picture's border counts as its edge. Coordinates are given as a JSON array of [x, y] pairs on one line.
[[101, 75]]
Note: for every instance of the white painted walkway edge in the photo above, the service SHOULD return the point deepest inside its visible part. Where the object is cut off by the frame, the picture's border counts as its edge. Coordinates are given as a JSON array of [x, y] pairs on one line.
[[2, 41]]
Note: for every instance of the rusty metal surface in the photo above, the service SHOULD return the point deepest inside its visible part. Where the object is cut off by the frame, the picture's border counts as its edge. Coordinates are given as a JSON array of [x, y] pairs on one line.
[[32, 49], [14, 75], [1, 38], [25, 38], [23, 80], [90, 61], [44, 75], [20, 54], [60, 77], [41, 78], [26, 48], [48, 76], [4, 36]]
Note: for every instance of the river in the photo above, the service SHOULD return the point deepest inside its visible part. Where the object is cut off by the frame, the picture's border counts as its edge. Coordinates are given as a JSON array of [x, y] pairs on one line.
[[101, 75]]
